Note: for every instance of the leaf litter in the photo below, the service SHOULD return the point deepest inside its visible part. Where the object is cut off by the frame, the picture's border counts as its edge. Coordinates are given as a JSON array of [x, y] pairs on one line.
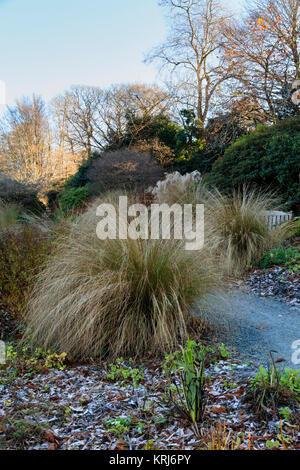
[[79, 408]]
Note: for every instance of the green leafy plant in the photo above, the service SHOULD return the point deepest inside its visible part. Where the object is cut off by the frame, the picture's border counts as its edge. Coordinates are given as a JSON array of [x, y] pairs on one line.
[[150, 445], [228, 385], [289, 257], [285, 412], [175, 360], [281, 441], [189, 396], [271, 387], [56, 361], [124, 373], [25, 361], [119, 426], [268, 157], [18, 431], [72, 198], [272, 444], [223, 351]]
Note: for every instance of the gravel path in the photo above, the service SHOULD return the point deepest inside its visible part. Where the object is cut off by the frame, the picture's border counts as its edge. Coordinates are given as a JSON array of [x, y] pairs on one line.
[[254, 326]]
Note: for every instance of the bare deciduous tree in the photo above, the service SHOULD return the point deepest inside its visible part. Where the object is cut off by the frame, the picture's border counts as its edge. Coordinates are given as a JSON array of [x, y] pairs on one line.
[[140, 105], [265, 52], [95, 119], [193, 51], [282, 18], [25, 140], [32, 146], [77, 111]]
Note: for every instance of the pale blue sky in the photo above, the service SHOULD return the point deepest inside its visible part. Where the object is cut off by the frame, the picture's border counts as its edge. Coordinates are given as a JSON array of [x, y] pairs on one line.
[[46, 46]]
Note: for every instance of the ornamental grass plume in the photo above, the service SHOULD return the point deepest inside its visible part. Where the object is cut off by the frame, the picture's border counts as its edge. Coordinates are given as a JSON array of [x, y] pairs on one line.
[[176, 188]]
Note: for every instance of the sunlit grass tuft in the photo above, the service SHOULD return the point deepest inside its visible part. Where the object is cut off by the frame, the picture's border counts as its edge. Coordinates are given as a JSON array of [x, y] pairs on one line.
[[236, 225]]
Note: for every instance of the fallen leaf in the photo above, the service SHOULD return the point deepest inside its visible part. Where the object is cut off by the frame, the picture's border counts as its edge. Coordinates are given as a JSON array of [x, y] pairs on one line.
[[218, 409], [122, 445], [121, 398], [54, 398], [51, 437]]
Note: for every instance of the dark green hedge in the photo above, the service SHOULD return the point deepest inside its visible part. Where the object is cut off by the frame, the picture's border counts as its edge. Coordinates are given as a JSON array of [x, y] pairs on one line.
[[269, 157]]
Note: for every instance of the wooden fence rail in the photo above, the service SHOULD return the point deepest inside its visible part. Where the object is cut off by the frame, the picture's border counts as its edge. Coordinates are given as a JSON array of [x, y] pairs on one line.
[[276, 218]]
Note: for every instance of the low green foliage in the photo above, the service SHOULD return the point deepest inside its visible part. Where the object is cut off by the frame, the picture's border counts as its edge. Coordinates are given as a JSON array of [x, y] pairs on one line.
[[124, 373], [286, 413], [288, 380], [271, 387], [72, 198], [18, 431], [56, 361], [119, 426], [150, 445], [281, 256], [281, 441], [24, 361], [223, 351], [175, 361], [228, 385]]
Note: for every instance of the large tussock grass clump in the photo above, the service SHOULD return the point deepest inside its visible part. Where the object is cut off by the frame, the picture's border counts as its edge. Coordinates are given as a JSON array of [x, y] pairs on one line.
[[116, 297], [236, 226]]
